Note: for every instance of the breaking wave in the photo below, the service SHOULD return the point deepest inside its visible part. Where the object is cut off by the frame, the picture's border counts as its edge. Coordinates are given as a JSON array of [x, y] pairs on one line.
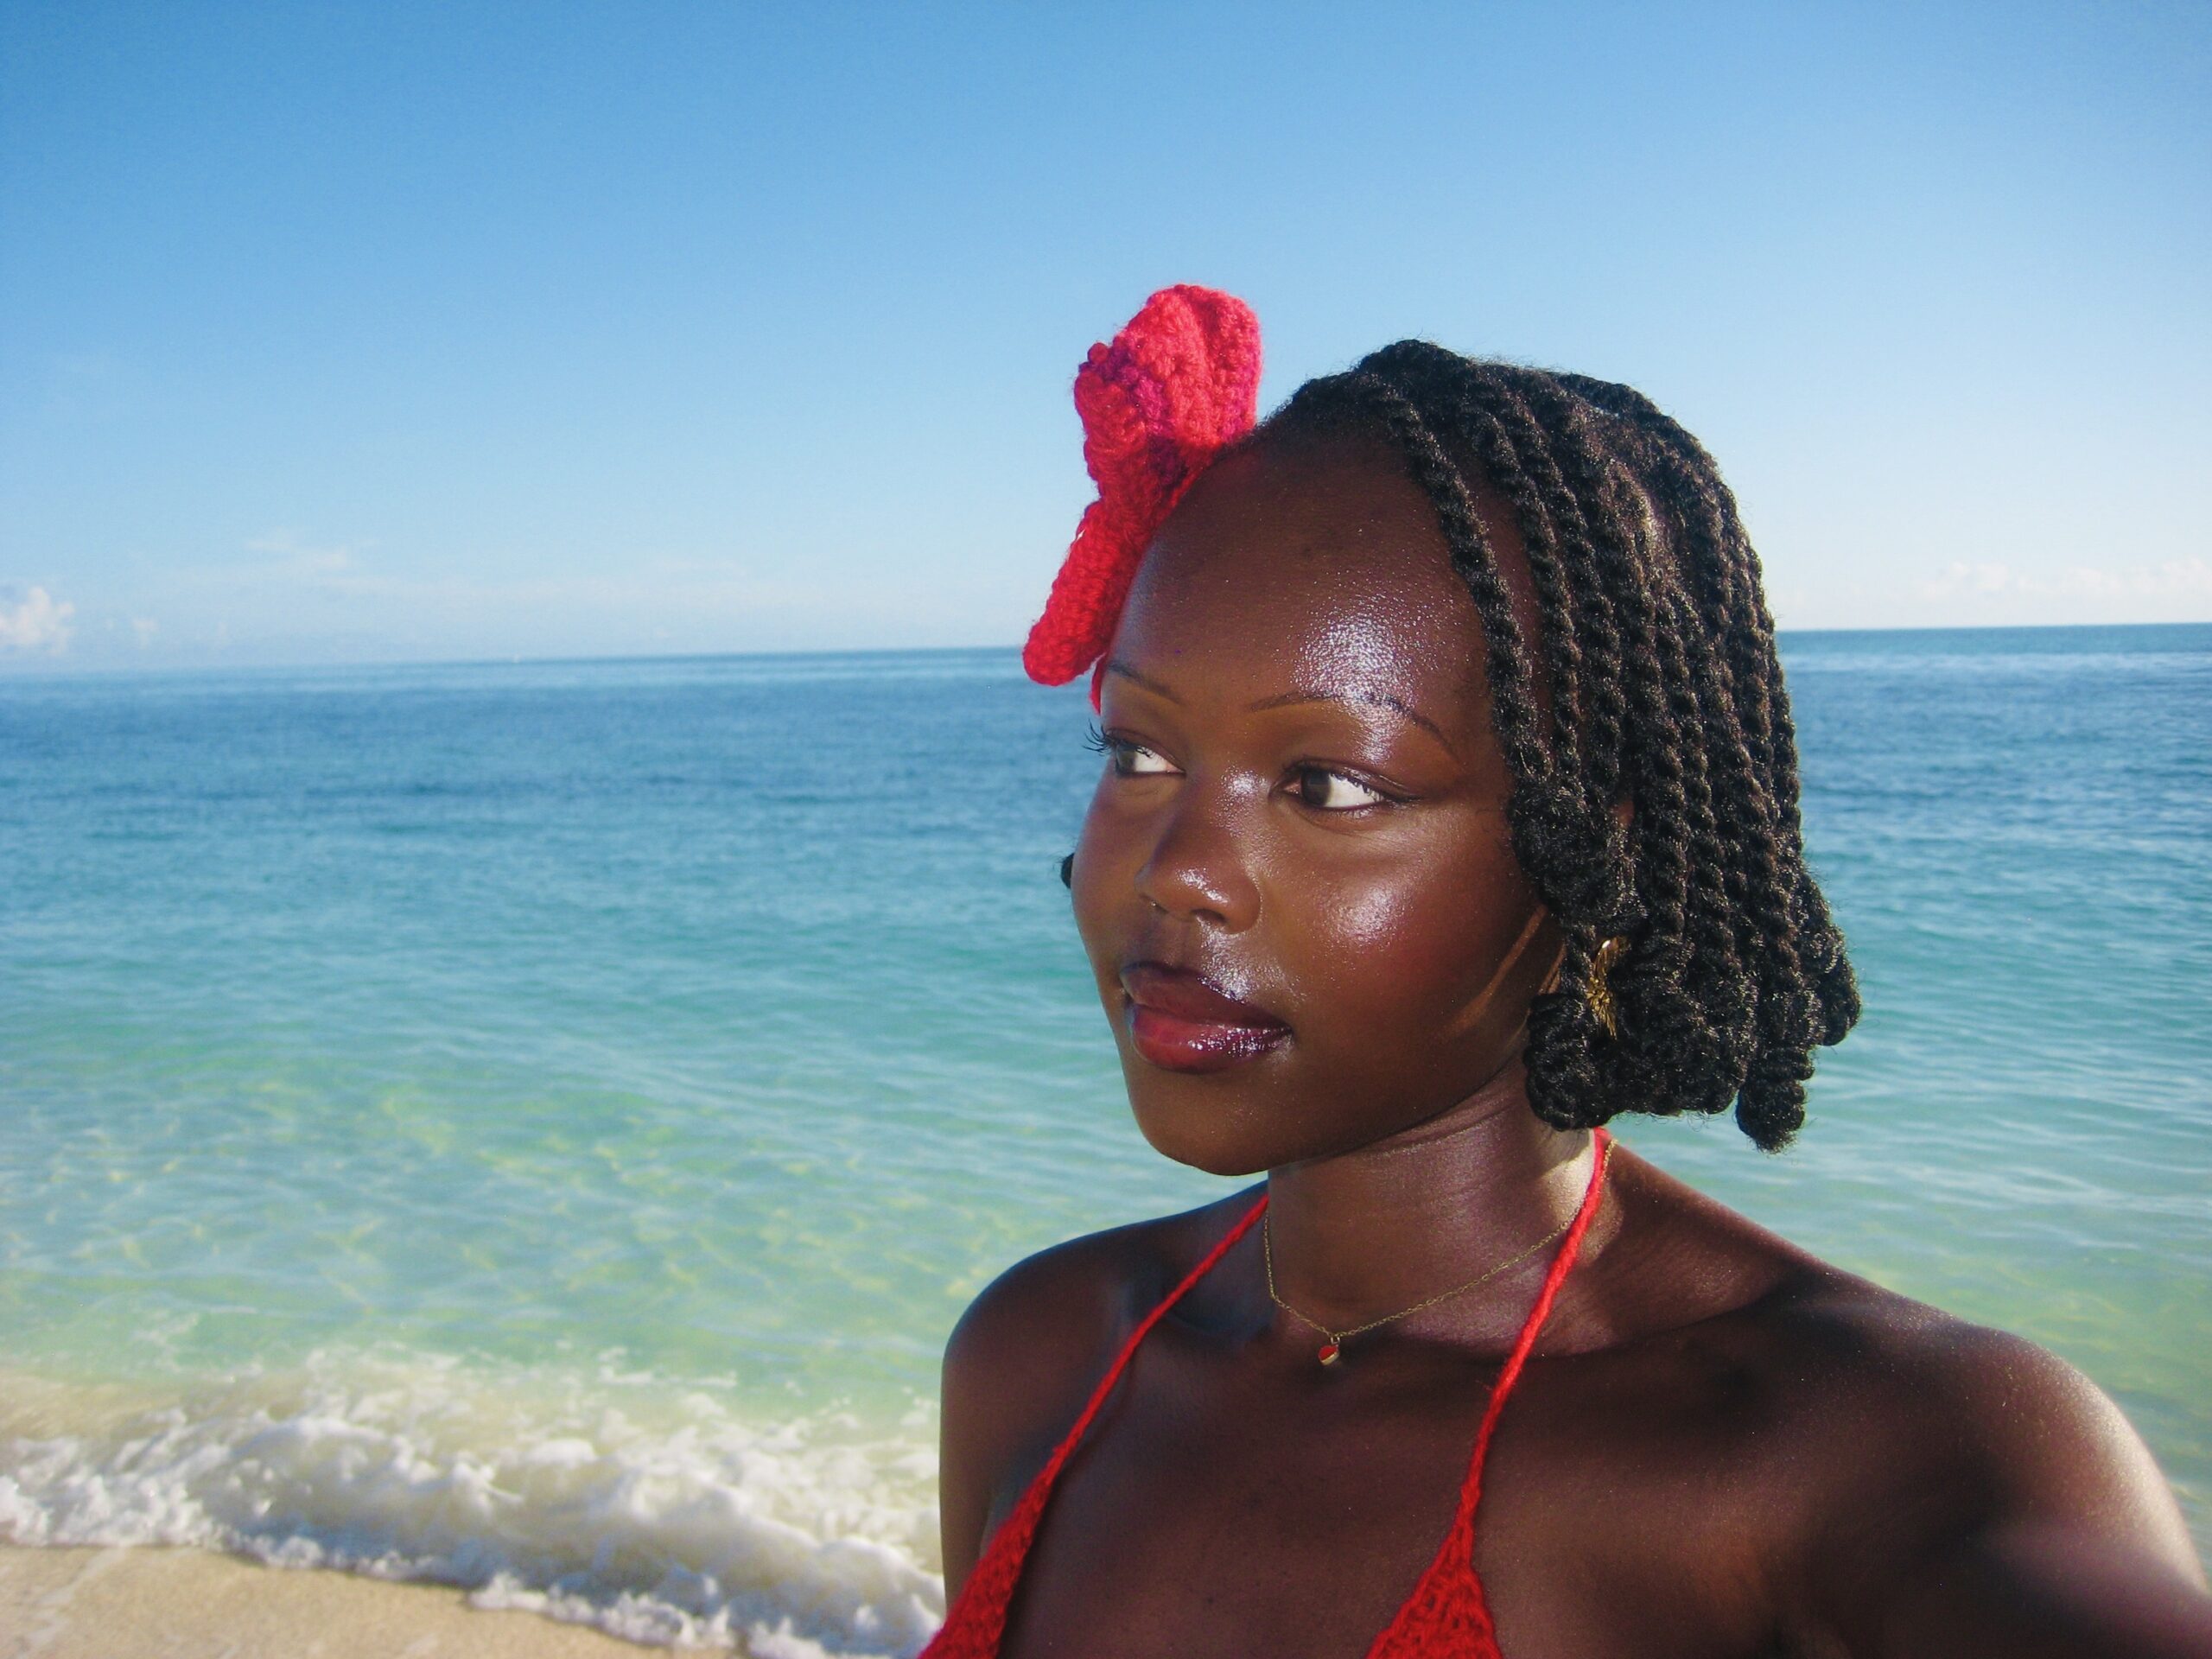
[[656, 1512]]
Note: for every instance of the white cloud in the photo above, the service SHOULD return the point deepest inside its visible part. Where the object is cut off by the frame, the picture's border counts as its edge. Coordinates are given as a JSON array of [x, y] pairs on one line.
[[36, 622], [145, 628], [290, 556], [2173, 579], [1987, 577], [306, 595]]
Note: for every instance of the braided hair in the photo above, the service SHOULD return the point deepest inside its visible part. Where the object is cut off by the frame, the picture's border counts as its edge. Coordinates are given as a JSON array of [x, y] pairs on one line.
[[1656, 656]]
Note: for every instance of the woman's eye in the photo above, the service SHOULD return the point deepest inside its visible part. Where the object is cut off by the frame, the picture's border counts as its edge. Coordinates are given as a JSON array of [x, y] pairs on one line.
[[1135, 760], [1129, 759], [1332, 791]]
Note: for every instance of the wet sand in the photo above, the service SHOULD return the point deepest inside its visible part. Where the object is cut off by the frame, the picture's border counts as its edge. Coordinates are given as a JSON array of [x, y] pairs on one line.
[[188, 1603]]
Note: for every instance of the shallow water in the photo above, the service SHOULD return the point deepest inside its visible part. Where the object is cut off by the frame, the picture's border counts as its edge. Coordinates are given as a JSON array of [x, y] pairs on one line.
[[535, 1124]]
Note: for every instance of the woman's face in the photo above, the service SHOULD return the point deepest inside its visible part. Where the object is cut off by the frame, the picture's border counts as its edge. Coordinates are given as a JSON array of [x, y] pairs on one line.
[[1295, 883]]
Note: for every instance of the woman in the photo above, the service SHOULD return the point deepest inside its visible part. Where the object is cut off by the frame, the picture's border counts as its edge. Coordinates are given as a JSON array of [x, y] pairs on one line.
[[1450, 809]]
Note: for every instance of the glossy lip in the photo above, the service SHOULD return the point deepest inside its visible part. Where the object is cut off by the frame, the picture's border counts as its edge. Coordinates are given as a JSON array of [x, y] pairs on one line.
[[1180, 1022]]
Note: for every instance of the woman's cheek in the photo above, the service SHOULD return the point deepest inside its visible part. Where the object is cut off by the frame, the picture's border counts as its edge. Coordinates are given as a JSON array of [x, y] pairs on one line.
[[1413, 941], [1093, 878]]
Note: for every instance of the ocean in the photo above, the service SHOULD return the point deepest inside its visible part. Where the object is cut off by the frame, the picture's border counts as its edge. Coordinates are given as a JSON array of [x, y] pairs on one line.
[[533, 1126]]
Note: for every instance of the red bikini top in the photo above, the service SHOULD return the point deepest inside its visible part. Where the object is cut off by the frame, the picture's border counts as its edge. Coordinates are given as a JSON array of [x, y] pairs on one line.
[[1446, 1616]]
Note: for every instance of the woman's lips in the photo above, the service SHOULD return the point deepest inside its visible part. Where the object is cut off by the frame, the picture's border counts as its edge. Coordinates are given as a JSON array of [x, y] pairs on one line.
[[1180, 1023]]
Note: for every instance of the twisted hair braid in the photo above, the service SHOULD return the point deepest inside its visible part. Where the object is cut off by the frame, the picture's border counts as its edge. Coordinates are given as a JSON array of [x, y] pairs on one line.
[[1654, 683]]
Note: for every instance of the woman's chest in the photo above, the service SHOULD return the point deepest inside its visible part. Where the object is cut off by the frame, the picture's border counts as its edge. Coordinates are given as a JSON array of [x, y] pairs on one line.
[[1298, 1522]]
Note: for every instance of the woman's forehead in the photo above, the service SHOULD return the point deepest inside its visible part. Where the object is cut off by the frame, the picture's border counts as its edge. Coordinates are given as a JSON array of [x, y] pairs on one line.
[[1305, 567]]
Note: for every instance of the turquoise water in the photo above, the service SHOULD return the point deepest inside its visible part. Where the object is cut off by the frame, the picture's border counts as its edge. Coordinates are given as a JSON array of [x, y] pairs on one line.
[[535, 1124]]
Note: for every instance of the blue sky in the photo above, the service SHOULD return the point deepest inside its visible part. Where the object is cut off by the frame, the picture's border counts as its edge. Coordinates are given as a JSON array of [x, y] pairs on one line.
[[336, 332]]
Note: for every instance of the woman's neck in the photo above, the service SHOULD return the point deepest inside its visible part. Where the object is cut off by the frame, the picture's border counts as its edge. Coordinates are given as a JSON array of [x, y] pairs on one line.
[[1360, 1236]]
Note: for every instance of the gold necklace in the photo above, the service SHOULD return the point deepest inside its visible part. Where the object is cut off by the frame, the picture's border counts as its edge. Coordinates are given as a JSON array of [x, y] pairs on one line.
[[1332, 1344]]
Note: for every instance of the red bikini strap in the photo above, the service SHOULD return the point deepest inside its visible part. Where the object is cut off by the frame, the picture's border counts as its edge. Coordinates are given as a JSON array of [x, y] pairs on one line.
[[976, 1619], [1144, 1327], [1470, 1491], [1448, 1610]]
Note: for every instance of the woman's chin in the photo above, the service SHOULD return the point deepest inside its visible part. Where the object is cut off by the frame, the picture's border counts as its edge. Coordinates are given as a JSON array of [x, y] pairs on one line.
[[1220, 1128], [1197, 1127]]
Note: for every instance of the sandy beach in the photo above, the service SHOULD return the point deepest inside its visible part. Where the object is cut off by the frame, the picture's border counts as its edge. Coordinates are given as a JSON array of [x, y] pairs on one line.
[[185, 1604]]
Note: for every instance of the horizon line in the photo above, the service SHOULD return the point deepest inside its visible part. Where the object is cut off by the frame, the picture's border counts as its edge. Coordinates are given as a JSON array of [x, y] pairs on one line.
[[123, 670]]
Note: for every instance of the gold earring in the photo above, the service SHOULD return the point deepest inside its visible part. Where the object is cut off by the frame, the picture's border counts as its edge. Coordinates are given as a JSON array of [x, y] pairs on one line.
[[1597, 989]]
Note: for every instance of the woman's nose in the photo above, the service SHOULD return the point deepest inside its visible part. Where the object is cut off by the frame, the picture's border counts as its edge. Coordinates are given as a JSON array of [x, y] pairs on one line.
[[1200, 869]]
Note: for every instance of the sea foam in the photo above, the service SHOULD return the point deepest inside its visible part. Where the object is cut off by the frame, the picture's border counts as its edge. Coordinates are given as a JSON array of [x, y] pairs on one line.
[[657, 1513]]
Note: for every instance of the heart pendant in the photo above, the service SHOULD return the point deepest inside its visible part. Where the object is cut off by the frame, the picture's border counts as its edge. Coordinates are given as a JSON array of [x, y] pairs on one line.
[[1329, 1353]]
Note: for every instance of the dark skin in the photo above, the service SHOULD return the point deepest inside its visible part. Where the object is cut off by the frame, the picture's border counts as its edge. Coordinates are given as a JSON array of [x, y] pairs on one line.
[[1723, 1445]]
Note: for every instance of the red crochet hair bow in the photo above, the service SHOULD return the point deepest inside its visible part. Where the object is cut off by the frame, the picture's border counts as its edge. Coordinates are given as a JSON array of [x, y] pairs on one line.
[[1177, 386]]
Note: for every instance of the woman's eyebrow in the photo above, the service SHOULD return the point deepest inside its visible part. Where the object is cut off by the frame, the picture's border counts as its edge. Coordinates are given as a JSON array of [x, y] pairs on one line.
[[1355, 700], [1291, 699], [1144, 680], [1294, 697]]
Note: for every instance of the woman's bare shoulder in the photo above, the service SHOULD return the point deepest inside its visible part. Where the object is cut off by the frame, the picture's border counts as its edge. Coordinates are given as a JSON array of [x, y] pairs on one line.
[[1052, 1314], [1891, 1434], [1025, 1355], [1950, 1475], [1848, 1349], [1962, 1427]]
